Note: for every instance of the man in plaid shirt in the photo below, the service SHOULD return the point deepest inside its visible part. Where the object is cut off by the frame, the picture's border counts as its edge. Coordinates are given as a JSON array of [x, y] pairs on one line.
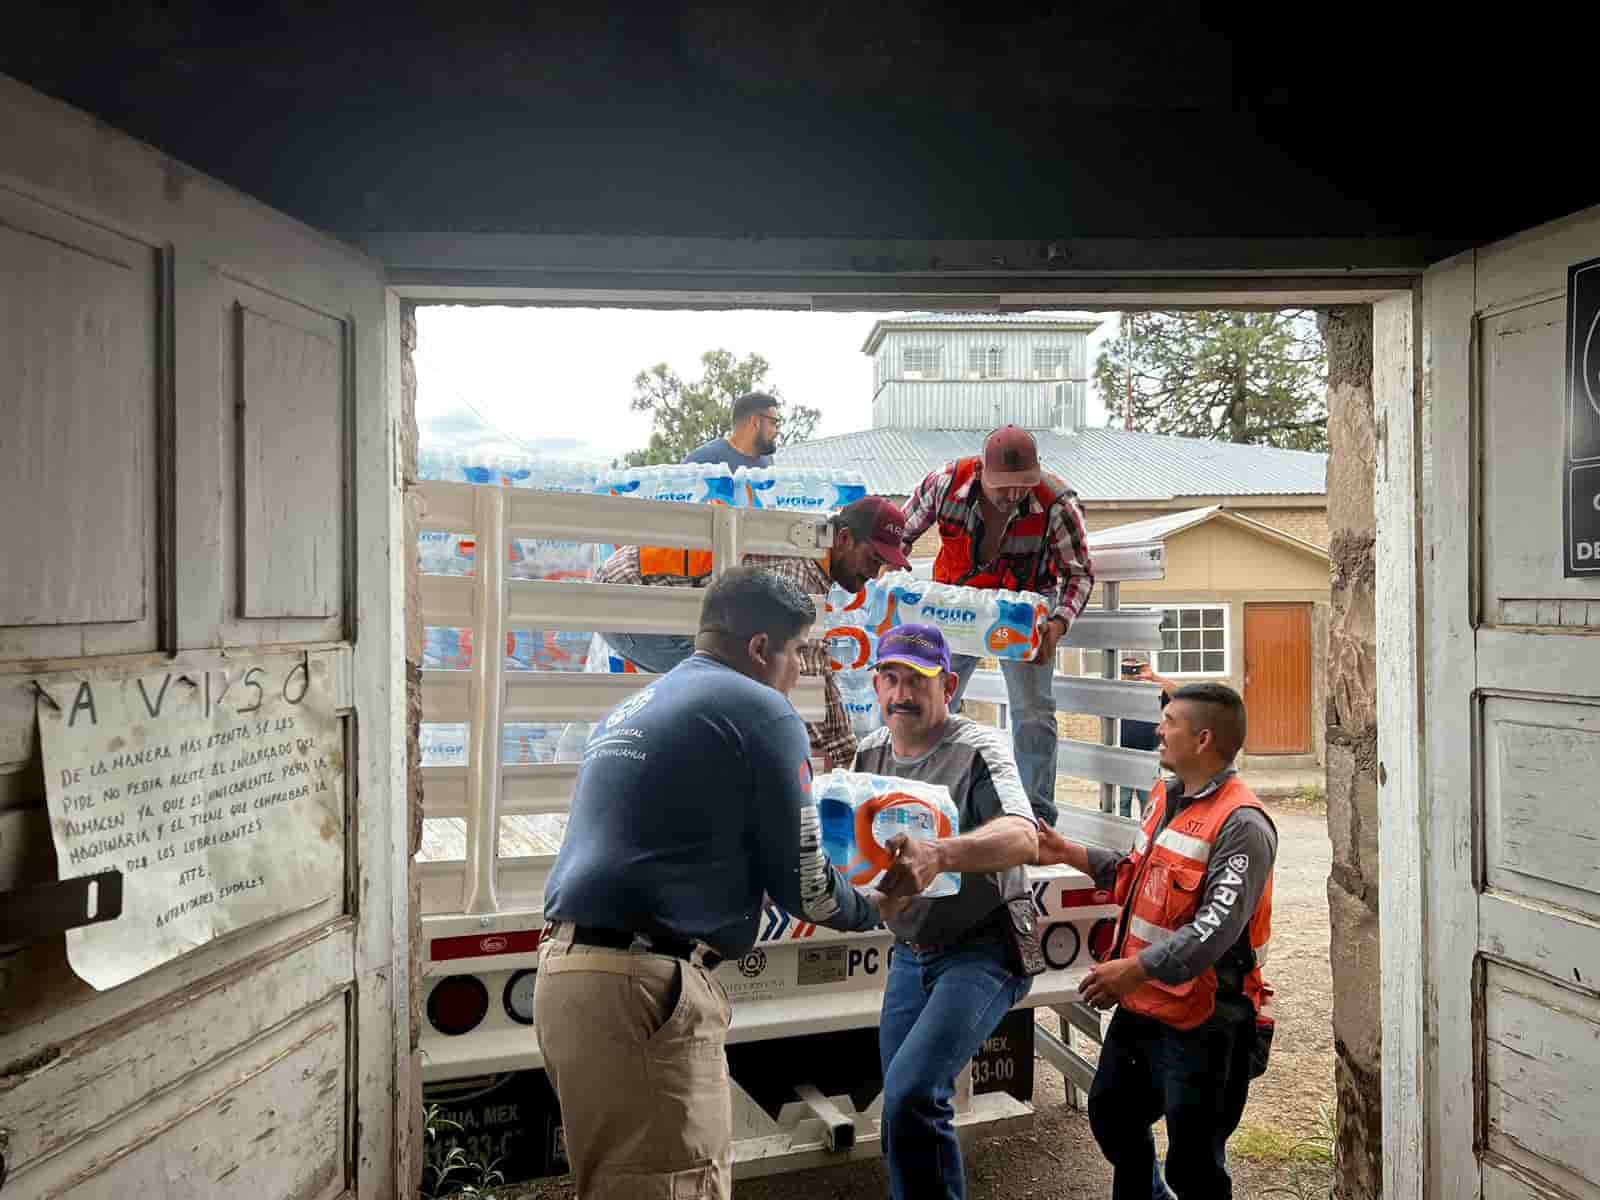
[[1004, 525], [866, 535]]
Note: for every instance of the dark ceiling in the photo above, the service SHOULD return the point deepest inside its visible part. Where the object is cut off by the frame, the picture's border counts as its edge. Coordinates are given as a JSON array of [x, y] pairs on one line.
[[875, 118]]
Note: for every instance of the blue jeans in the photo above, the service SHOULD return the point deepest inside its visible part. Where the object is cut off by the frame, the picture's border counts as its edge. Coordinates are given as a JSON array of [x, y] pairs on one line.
[[1196, 1079], [1129, 795], [654, 652], [1034, 736], [938, 1008]]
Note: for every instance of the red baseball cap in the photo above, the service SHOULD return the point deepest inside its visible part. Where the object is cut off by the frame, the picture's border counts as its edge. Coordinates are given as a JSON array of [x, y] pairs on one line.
[[1010, 458], [888, 528]]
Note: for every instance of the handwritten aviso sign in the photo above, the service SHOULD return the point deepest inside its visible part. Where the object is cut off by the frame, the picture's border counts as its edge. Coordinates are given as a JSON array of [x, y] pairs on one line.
[[218, 793]]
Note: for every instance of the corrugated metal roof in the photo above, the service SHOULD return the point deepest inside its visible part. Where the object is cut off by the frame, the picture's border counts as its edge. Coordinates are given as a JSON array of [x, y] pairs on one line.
[[977, 320], [1100, 464]]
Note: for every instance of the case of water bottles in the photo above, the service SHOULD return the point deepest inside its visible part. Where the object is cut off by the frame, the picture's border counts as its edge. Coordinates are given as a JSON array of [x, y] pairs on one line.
[[860, 812], [981, 622], [801, 489], [445, 745], [449, 649]]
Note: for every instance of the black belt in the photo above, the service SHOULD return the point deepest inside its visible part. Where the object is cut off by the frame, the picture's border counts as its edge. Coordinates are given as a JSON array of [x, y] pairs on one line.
[[660, 943]]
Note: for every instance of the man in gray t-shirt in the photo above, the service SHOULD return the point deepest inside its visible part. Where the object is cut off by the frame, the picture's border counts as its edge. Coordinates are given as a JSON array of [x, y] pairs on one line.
[[951, 975]]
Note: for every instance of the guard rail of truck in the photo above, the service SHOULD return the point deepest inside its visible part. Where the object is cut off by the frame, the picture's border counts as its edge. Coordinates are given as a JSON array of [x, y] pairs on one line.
[[802, 1045]]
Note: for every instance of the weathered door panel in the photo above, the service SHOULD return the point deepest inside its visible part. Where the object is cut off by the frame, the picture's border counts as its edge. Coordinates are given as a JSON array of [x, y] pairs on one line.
[[1513, 737], [203, 425], [1277, 672]]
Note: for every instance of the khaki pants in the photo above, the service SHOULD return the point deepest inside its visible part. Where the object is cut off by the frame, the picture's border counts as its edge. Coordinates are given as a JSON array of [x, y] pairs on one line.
[[634, 1045]]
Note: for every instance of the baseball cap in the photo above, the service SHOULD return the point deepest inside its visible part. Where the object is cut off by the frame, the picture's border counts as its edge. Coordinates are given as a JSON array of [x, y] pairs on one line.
[[1010, 458], [887, 528], [920, 647]]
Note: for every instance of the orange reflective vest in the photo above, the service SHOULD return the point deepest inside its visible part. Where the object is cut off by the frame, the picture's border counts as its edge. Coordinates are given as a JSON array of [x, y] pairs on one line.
[[665, 562], [1160, 887], [1021, 563]]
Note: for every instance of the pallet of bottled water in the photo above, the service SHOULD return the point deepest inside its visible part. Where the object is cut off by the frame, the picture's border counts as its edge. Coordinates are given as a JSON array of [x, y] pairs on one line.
[[985, 623]]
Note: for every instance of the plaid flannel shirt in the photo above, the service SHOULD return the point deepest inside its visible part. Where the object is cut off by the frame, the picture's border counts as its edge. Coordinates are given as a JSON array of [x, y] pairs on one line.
[[1066, 538], [831, 738]]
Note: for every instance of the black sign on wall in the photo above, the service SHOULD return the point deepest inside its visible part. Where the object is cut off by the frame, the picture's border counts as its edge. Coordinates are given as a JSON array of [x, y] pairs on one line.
[[1581, 494]]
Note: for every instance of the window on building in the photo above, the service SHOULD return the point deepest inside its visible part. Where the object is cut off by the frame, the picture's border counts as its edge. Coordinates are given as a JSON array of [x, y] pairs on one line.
[[920, 362], [1194, 640], [1049, 363], [985, 362]]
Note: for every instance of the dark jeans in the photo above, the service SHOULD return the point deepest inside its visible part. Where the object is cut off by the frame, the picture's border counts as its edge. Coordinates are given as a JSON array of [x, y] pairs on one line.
[[1197, 1080], [654, 652], [938, 1008]]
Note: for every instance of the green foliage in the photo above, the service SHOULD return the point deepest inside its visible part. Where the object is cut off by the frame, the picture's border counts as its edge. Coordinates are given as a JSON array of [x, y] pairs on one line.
[[1229, 376], [687, 415], [447, 1172]]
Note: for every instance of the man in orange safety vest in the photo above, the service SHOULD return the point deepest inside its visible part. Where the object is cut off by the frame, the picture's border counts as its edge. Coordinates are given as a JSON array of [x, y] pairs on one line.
[[1194, 1018]]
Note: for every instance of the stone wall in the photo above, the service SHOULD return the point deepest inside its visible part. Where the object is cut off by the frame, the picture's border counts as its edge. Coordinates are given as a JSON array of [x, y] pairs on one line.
[[1352, 737], [407, 451]]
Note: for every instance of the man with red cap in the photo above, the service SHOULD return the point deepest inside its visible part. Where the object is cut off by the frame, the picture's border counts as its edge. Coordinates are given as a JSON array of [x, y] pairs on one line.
[[867, 536], [1004, 524]]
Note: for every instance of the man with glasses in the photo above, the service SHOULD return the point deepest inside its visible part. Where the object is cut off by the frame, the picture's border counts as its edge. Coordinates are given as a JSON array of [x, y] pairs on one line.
[[752, 439]]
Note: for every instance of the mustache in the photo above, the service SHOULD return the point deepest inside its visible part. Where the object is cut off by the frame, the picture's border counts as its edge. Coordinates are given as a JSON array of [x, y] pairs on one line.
[[912, 709]]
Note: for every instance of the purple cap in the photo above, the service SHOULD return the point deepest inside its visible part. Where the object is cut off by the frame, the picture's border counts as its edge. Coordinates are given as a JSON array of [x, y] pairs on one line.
[[920, 647]]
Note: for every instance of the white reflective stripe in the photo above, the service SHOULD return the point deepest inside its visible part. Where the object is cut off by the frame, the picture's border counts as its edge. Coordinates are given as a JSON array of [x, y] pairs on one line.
[[1182, 843], [1146, 932], [1142, 842], [1261, 953]]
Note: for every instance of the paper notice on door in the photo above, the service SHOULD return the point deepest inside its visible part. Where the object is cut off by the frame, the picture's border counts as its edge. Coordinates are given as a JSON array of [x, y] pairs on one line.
[[218, 794]]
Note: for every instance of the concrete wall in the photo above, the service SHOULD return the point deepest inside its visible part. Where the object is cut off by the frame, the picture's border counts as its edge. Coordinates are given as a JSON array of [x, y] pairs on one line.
[[1352, 723]]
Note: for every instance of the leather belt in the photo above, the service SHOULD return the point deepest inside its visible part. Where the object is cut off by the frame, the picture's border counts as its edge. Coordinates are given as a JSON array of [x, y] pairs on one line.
[[652, 943]]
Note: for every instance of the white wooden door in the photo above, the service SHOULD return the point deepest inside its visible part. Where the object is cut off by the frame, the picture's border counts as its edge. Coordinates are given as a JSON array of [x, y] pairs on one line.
[[1512, 660], [197, 464]]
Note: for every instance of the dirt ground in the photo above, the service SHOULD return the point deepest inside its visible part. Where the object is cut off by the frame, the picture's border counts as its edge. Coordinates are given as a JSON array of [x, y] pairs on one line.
[[1057, 1158]]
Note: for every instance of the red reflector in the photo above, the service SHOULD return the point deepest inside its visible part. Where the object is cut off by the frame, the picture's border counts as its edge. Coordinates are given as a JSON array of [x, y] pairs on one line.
[[1083, 897], [476, 945], [1102, 938], [456, 1004]]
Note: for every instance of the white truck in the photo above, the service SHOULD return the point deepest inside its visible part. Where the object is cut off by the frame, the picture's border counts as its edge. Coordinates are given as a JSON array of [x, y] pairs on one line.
[[803, 1044]]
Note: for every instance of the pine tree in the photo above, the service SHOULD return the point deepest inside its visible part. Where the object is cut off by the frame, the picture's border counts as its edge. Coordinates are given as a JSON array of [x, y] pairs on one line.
[[1230, 376], [687, 415]]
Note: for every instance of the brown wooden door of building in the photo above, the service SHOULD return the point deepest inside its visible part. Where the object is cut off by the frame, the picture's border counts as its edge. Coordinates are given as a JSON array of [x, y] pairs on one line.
[[1277, 678]]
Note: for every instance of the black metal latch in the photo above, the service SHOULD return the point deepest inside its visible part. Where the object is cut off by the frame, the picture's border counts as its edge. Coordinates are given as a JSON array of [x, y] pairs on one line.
[[31, 914]]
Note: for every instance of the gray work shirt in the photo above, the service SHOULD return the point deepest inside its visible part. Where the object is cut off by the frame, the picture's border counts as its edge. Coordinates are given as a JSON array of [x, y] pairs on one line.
[[1236, 875], [975, 763]]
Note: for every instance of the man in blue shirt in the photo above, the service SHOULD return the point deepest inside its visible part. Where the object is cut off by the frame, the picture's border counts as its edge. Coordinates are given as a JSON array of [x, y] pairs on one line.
[[693, 800], [752, 439]]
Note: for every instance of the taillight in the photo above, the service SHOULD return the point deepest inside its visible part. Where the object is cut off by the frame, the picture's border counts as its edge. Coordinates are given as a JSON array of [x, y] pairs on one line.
[[457, 1003], [1102, 938]]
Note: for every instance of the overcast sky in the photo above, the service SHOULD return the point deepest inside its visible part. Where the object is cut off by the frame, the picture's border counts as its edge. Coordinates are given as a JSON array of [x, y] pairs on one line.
[[557, 382]]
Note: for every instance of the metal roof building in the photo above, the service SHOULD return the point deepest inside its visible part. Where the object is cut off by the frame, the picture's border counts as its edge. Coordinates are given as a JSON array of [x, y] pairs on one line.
[[1100, 464]]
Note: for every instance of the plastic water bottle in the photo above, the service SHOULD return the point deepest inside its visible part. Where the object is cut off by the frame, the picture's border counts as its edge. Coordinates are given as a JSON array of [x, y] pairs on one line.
[[546, 650], [798, 489], [859, 813], [860, 700], [446, 649], [443, 745], [445, 553], [977, 621], [685, 483], [504, 470], [545, 558]]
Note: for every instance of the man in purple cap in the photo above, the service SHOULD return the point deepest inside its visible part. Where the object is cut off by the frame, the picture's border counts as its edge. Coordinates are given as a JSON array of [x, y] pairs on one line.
[[1004, 524], [867, 536], [954, 972]]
